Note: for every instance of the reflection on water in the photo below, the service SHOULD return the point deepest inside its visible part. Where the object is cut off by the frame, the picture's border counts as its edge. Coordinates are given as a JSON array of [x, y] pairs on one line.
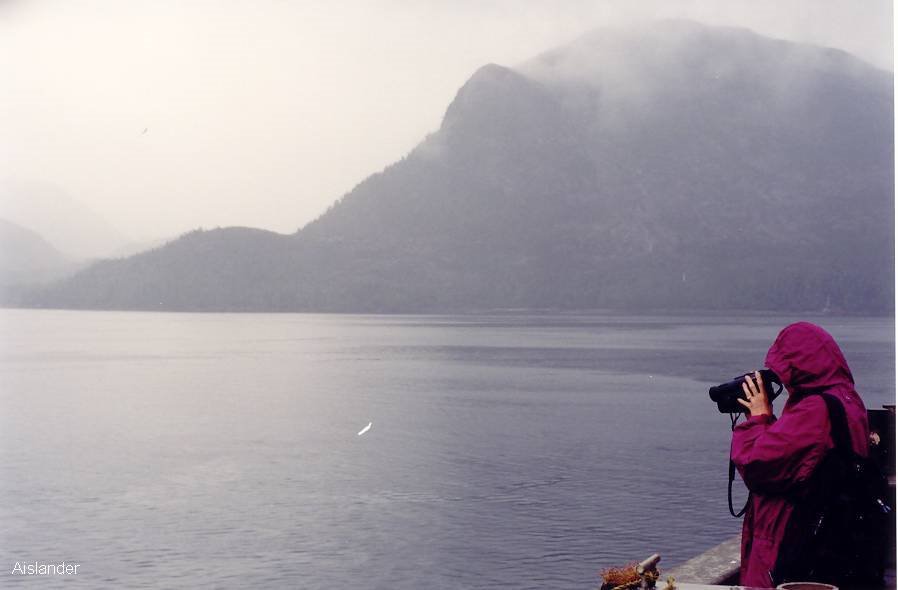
[[186, 450]]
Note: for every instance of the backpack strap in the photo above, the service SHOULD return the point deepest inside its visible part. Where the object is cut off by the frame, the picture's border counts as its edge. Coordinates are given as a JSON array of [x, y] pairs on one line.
[[838, 423]]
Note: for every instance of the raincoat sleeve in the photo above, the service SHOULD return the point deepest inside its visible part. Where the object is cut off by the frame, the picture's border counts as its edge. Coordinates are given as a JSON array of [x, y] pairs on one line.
[[777, 456]]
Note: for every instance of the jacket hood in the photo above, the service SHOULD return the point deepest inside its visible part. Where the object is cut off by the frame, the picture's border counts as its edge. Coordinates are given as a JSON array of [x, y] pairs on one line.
[[805, 358]]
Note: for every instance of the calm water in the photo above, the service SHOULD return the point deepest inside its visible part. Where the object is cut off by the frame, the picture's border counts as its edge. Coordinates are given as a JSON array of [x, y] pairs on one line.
[[182, 450]]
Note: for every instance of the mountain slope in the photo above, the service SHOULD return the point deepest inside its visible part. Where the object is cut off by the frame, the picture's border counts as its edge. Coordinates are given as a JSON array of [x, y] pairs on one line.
[[671, 166]]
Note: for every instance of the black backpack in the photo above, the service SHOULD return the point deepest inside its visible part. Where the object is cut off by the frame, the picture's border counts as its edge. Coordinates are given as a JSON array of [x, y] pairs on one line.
[[838, 532]]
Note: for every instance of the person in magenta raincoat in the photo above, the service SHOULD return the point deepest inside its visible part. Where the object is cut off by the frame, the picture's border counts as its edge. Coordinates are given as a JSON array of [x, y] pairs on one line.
[[776, 457]]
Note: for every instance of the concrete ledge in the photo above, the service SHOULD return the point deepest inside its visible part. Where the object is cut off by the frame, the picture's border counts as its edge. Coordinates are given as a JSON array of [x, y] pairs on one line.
[[716, 566]]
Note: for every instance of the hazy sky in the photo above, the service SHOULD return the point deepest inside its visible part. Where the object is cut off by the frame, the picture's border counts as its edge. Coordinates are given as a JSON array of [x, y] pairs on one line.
[[167, 115]]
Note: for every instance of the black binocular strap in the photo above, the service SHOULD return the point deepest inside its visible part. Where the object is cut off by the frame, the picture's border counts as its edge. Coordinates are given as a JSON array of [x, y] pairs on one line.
[[730, 493]]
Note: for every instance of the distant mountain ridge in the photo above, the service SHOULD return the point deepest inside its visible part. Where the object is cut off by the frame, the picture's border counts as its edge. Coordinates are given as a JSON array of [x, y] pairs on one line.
[[676, 165], [27, 258], [67, 224]]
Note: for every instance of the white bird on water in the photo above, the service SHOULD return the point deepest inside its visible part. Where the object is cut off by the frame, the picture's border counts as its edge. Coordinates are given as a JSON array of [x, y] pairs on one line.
[[365, 429]]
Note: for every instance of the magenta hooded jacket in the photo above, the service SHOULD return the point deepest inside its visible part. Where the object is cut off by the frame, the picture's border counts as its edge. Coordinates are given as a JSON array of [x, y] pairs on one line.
[[776, 457]]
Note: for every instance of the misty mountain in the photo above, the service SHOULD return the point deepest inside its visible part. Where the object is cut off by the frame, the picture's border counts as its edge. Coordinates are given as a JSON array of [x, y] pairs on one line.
[[27, 258], [672, 165], [68, 225]]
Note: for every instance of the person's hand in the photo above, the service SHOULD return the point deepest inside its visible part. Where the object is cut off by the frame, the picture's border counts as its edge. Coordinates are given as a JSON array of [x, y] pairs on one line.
[[757, 404]]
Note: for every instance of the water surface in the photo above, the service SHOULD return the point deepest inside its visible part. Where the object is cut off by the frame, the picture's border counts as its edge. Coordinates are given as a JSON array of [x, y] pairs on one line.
[[508, 451]]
